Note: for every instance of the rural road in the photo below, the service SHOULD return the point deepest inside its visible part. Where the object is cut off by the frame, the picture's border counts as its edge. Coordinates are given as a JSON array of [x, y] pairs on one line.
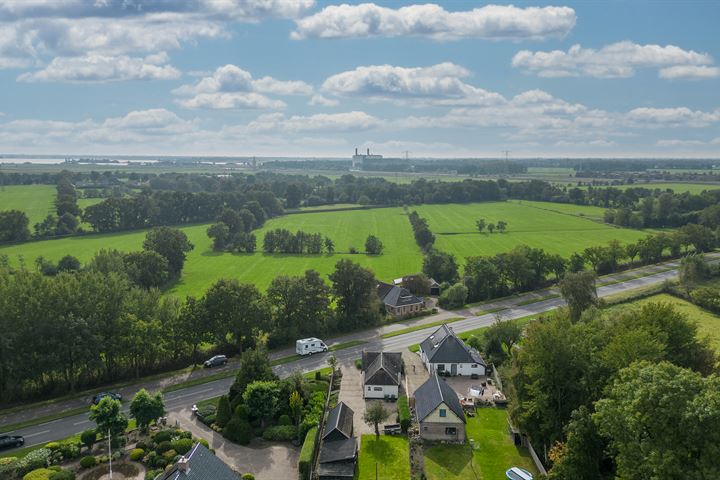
[[180, 399]]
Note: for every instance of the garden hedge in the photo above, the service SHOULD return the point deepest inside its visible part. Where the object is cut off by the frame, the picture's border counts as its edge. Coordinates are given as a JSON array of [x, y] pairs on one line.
[[404, 413], [307, 453]]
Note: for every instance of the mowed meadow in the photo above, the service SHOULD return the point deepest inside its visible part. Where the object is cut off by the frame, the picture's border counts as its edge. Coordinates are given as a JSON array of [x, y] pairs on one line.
[[37, 201], [556, 228], [204, 266]]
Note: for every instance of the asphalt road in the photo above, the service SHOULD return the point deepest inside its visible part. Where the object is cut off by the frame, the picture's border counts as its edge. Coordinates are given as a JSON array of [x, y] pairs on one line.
[[175, 401]]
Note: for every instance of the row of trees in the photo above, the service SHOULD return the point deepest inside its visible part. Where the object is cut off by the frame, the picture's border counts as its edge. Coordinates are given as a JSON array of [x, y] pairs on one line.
[[282, 240], [78, 329], [423, 236], [232, 231], [482, 225], [666, 209], [604, 395]]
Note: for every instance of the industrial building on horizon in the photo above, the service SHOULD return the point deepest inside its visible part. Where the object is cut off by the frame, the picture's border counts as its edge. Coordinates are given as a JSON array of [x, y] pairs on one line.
[[359, 158]]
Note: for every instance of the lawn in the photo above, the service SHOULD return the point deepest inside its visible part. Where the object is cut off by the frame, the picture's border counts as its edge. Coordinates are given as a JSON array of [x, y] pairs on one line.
[[203, 266], [676, 187], [491, 455], [708, 323], [391, 454], [35, 200], [556, 228]]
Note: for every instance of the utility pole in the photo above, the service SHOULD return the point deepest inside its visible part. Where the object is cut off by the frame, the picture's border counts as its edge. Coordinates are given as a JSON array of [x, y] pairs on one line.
[[507, 153], [110, 452], [407, 154]]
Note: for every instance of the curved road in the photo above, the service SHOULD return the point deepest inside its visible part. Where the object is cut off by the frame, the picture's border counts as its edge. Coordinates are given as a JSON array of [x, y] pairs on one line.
[[177, 400]]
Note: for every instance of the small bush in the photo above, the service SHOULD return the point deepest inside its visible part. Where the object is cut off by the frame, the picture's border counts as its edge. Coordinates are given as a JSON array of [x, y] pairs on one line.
[[284, 420], [39, 474], [170, 454], [88, 462], [182, 445], [7, 466], [137, 454], [160, 462], [358, 364], [32, 461], [52, 446], [247, 476], [163, 447], [204, 442], [63, 475], [404, 413], [306, 454], [281, 433], [88, 437], [238, 430], [163, 436]]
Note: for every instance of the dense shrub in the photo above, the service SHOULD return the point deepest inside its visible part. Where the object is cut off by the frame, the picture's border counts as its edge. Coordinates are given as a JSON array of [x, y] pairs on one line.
[[204, 442], [358, 363], [137, 454], [280, 433], [52, 446], [238, 430], [36, 459], [170, 455], [284, 420], [247, 476], [88, 462], [403, 412], [163, 447], [88, 437], [307, 453], [63, 475], [224, 412], [182, 445], [241, 411], [141, 444], [39, 474], [7, 466], [706, 297], [208, 419], [163, 436]]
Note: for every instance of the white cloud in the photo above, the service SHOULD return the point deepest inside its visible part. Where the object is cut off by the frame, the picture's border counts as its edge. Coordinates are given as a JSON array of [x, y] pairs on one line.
[[690, 72], [673, 143], [321, 122], [101, 68], [672, 117], [319, 100], [232, 87], [438, 84], [493, 22], [616, 60]]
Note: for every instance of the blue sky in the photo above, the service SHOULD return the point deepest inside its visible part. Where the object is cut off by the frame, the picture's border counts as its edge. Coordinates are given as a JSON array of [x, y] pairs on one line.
[[318, 78]]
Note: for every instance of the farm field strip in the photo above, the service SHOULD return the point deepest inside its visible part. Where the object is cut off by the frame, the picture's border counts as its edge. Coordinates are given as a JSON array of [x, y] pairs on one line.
[[37, 201]]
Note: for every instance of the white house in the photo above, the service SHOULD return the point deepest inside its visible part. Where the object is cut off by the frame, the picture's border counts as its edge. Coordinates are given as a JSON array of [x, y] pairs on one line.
[[382, 374], [445, 353], [439, 412]]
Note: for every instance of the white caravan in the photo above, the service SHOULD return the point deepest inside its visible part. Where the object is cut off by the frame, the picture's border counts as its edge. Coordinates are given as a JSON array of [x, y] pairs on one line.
[[308, 346]]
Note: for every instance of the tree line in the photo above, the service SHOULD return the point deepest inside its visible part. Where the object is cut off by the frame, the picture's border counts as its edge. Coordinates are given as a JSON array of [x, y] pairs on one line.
[[84, 328], [281, 240]]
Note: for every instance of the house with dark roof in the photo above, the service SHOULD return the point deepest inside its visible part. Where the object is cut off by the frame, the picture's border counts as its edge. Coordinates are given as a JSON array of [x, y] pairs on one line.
[[439, 412], [199, 464], [382, 374], [398, 301], [443, 352], [433, 286], [338, 447]]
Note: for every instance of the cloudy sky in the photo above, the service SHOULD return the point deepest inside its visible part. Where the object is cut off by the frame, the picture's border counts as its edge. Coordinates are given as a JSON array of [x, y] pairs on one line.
[[318, 78]]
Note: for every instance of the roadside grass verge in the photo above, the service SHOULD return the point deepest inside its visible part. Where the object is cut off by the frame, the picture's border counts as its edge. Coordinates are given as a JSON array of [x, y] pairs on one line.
[[420, 327], [351, 343], [537, 299], [44, 419]]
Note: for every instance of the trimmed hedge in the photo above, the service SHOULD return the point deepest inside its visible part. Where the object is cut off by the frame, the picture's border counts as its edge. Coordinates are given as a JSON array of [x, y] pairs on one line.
[[88, 462], [137, 454], [63, 475], [238, 430], [280, 433], [307, 453], [404, 413], [39, 474], [182, 445]]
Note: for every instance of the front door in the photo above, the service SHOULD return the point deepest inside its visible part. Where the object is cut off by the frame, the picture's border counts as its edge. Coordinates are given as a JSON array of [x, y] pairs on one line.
[[453, 369]]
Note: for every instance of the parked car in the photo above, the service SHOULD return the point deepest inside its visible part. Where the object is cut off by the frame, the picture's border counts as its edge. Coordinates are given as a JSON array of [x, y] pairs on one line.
[[215, 361], [11, 441], [308, 346], [98, 397]]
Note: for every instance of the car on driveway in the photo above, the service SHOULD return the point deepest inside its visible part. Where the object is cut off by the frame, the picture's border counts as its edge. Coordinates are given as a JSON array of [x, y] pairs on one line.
[[11, 441], [98, 397], [215, 361]]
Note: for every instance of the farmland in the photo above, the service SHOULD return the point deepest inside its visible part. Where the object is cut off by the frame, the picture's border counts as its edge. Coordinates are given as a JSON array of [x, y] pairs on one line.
[[205, 266], [35, 200], [556, 228]]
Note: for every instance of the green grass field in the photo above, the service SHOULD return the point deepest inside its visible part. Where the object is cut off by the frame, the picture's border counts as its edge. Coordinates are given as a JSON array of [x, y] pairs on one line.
[[35, 200], [556, 228], [391, 454], [676, 187], [493, 452], [708, 323], [203, 266]]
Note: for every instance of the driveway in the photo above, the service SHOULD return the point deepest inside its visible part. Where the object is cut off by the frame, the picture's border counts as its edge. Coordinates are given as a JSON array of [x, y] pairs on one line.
[[267, 461], [415, 372], [351, 392]]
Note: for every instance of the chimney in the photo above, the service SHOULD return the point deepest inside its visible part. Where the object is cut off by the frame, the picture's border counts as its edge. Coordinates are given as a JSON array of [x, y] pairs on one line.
[[183, 465], [368, 152], [355, 150]]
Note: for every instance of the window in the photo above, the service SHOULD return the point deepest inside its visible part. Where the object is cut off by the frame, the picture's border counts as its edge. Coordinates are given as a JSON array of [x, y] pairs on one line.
[[425, 429], [369, 389], [378, 389], [441, 367], [443, 412], [474, 365], [450, 431]]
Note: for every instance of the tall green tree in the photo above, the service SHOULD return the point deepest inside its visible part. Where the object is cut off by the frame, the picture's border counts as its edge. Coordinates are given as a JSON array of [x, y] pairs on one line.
[[14, 226], [354, 289], [374, 415], [108, 417], [579, 291], [172, 244], [254, 366], [262, 399], [441, 266], [146, 407]]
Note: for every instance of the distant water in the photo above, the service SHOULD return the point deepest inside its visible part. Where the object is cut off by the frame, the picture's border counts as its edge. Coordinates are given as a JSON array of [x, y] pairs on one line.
[[47, 161]]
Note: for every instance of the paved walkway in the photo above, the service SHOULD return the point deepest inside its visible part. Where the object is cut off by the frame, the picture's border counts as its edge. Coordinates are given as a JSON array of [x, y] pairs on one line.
[[267, 461], [414, 377], [351, 392]]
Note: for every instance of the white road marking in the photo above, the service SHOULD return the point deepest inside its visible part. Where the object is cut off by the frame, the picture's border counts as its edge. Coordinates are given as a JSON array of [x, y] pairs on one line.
[[38, 433]]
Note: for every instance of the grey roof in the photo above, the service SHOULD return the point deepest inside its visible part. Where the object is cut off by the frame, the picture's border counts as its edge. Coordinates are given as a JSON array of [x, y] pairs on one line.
[[396, 296], [382, 368], [340, 419], [204, 465], [336, 470], [434, 392], [444, 347], [338, 450]]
